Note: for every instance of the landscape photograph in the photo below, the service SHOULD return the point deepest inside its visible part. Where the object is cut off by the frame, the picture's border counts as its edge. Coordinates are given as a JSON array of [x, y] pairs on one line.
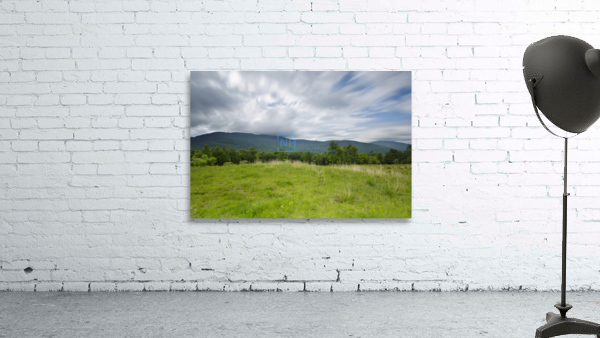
[[300, 144]]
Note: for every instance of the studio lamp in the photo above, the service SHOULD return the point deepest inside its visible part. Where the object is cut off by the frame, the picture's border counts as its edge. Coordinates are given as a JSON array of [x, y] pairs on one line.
[[562, 74]]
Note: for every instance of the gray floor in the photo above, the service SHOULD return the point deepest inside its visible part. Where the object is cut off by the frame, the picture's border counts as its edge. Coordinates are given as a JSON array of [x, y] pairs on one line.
[[256, 314]]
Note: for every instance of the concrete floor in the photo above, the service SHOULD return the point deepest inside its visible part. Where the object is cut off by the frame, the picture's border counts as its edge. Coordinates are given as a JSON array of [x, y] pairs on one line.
[[261, 314]]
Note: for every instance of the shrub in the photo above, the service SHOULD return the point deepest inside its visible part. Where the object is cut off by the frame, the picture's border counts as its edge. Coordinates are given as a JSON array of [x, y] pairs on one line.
[[198, 163]]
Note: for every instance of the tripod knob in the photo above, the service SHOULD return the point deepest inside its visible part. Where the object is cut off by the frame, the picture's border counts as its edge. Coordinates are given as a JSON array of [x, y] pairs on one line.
[[563, 309]]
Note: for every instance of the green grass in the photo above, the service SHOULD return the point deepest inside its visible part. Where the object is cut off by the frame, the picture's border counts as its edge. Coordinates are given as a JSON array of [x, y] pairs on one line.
[[298, 190]]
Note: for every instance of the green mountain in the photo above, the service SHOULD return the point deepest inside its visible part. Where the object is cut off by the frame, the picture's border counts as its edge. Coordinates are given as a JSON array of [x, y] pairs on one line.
[[239, 141], [391, 144]]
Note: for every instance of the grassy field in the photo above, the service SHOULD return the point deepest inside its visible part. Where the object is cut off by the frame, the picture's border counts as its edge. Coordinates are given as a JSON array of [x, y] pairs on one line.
[[299, 190]]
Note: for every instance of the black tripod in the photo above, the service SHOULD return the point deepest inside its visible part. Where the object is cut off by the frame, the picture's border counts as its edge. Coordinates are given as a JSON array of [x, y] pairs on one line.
[[558, 325]]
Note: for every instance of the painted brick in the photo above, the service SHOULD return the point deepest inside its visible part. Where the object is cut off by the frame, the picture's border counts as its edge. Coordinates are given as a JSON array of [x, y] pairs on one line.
[[98, 286], [94, 111], [130, 286]]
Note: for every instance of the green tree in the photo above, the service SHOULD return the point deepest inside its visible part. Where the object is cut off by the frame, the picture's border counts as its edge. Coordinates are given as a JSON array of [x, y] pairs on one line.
[[200, 161], [321, 159], [219, 155], [390, 156], [408, 155], [333, 147], [252, 155], [281, 155], [295, 156], [233, 155], [307, 157], [351, 154], [334, 152], [363, 158], [268, 156], [243, 155], [206, 150]]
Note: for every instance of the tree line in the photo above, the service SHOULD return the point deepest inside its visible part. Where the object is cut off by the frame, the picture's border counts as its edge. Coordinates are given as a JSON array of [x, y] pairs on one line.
[[335, 154]]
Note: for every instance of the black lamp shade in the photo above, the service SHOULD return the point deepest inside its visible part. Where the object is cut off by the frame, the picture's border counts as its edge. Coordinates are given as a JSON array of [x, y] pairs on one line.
[[565, 74]]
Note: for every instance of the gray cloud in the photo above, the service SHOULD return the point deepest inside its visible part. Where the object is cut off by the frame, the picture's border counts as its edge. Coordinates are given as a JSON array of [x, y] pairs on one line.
[[362, 106]]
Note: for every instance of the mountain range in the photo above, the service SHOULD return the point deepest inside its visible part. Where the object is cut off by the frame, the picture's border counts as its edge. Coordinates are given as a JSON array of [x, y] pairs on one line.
[[239, 141]]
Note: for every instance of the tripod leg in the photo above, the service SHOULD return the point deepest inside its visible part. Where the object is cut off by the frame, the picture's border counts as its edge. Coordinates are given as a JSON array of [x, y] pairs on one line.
[[558, 326]]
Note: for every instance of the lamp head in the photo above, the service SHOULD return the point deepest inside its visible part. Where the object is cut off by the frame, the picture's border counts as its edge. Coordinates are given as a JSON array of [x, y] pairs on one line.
[[592, 60], [564, 72]]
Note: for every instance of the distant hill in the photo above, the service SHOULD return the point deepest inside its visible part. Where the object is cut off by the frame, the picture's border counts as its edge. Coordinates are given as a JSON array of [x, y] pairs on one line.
[[239, 141], [391, 144]]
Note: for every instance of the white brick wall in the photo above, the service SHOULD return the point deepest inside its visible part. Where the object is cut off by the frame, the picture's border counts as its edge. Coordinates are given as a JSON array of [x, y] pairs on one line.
[[94, 106]]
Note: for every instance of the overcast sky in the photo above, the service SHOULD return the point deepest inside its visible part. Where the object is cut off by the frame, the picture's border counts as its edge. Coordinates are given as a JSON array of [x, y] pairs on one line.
[[359, 106]]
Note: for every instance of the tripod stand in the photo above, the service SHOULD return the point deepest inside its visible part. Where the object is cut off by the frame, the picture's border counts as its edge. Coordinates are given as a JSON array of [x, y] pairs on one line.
[[558, 325]]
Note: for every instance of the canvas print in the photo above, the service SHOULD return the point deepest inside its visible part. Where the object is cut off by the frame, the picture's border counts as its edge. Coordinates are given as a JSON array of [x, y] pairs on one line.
[[300, 144]]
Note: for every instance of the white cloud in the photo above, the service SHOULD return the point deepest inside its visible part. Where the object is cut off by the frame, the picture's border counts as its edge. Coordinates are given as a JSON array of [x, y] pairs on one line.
[[360, 106]]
